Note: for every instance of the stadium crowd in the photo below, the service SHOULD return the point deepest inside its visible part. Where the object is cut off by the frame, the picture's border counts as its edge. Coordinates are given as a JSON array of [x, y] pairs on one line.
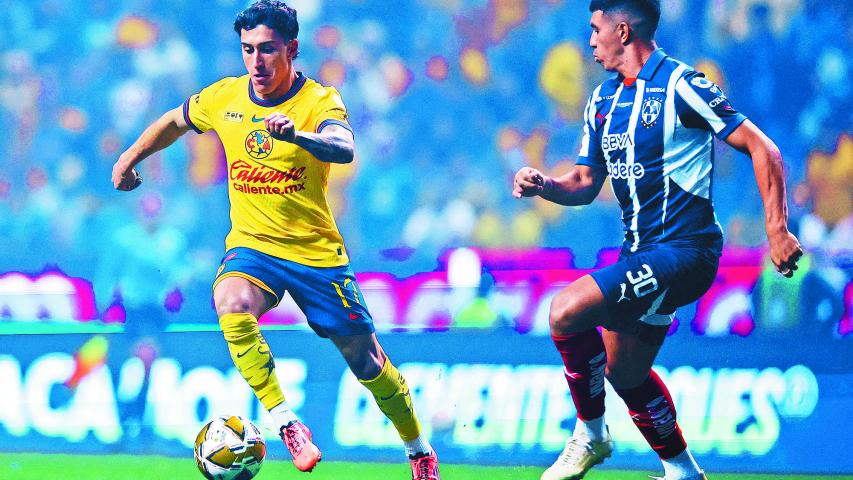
[[447, 99]]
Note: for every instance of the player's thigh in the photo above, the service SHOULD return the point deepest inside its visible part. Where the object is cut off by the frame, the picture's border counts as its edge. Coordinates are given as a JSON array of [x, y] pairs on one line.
[[362, 352], [330, 298], [245, 283], [648, 286], [577, 308], [631, 354]]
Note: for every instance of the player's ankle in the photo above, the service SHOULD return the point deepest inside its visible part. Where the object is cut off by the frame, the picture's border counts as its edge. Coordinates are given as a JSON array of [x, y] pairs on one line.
[[282, 415], [417, 446], [681, 466], [594, 429]]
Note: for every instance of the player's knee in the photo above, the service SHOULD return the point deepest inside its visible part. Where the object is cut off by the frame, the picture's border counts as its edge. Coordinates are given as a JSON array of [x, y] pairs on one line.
[[234, 304], [563, 313], [236, 326]]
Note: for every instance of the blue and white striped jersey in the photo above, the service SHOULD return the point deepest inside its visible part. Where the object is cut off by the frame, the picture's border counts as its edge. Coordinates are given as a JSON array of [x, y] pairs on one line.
[[654, 139]]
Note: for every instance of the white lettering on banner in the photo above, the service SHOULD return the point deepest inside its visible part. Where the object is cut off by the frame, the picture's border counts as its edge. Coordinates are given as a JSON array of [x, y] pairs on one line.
[[727, 411], [174, 399], [92, 407], [525, 406], [171, 404], [12, 408]]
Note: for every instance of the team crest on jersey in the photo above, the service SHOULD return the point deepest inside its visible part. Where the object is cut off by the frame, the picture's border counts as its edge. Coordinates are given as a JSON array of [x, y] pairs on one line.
[[650, 112], [259, 144]]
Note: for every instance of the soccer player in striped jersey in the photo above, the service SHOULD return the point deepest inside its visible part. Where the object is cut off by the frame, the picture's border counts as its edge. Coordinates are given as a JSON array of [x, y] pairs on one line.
[[281, 131], [650, 128]]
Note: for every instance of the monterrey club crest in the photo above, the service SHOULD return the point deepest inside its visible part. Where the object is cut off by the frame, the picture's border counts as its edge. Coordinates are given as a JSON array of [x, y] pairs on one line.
[[259, 144], [650, 112]]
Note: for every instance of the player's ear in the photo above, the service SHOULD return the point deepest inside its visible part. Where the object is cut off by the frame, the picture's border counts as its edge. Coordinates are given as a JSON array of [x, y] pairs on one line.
[[292, 48], [624, 31]]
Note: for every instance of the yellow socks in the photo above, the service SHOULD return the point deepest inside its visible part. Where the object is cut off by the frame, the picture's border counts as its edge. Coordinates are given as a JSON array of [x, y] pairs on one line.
[[392, 395], [252, 356]]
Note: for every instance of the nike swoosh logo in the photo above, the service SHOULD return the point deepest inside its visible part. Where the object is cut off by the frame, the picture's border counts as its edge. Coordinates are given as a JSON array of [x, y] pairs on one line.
[[261, 351], [389, 397], [256, 120]]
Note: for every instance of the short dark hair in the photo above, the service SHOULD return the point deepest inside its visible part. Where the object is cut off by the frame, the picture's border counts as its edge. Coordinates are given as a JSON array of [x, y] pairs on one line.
[[644, 13], [272, 13]]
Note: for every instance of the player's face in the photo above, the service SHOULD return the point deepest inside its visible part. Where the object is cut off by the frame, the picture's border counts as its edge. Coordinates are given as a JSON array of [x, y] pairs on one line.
[[606, 41], [268, 59]]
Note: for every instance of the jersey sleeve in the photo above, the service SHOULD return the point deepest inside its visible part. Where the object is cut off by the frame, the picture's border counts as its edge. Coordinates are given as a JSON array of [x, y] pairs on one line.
[[590, 152], [199, 109], [700, 103], [331, 111]]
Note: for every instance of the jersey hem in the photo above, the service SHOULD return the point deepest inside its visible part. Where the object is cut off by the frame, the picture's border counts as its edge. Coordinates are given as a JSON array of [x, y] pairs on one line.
[[294, 258], [724, 133], [326, 123]]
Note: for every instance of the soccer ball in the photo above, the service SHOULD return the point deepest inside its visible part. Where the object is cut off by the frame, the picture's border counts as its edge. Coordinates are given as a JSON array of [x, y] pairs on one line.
[[229, 448]]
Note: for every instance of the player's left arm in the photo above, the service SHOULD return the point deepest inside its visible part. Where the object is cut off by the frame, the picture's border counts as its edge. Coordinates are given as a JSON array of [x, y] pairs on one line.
[[769, 172], [333, 144]]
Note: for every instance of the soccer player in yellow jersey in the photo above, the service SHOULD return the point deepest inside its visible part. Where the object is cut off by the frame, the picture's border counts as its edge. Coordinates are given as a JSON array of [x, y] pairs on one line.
[[281, 131]]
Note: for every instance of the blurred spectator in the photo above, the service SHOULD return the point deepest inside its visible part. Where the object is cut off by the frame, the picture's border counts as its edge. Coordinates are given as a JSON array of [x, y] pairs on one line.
[[446, 101]]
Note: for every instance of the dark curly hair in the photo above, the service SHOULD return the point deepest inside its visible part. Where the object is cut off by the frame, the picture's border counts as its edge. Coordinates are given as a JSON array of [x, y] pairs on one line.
[[272, 13], [645, 14]]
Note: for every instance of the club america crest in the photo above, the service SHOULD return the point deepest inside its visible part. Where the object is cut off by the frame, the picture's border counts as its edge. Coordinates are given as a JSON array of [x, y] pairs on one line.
[[650, 112]]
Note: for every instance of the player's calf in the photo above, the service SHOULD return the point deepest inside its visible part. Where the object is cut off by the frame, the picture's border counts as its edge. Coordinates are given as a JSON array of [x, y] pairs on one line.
[[653, 412]]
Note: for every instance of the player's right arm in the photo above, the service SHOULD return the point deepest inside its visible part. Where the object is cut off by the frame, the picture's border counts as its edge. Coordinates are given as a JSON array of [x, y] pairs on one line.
[[582, 183], [579, 186], [159, 135]]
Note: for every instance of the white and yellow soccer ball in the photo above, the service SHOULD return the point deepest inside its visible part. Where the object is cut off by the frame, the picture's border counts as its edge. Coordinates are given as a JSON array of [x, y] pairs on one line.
[[229, 448]]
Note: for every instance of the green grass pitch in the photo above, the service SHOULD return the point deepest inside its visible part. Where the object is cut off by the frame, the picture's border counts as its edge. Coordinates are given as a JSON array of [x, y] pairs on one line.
[[29, 466]]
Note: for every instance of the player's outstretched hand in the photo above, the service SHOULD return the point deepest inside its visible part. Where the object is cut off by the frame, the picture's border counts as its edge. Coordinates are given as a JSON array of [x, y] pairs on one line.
[[528, 182], [280, 126], [785, 251], [125, 178]]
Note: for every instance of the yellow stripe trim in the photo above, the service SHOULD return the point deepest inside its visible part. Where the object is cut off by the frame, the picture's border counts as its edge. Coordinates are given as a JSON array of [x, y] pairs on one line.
[[250, 278]]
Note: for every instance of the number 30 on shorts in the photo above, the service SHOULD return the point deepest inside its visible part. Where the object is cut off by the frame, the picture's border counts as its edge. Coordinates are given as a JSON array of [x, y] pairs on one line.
[[644, 281]]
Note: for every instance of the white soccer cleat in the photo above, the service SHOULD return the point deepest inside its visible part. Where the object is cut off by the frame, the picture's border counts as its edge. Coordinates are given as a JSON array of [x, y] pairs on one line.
[[701, 476], [579, 455]]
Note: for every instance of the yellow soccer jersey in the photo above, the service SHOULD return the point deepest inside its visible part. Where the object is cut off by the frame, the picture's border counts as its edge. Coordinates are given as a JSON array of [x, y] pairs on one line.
[[277, 189]]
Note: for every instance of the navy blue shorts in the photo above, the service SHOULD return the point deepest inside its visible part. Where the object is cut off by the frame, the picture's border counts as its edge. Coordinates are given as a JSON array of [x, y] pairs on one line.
[[649, 285], [328, 296]]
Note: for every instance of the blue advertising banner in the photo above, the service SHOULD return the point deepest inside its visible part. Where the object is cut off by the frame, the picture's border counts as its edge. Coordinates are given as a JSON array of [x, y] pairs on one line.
[[744, 404]]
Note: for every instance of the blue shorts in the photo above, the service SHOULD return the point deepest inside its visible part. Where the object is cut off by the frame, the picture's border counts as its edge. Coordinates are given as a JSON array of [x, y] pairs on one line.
[[649, 285], [328, 296]]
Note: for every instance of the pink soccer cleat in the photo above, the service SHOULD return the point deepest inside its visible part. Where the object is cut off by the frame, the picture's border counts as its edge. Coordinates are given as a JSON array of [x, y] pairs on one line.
[[297, 438], [425, 467]]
